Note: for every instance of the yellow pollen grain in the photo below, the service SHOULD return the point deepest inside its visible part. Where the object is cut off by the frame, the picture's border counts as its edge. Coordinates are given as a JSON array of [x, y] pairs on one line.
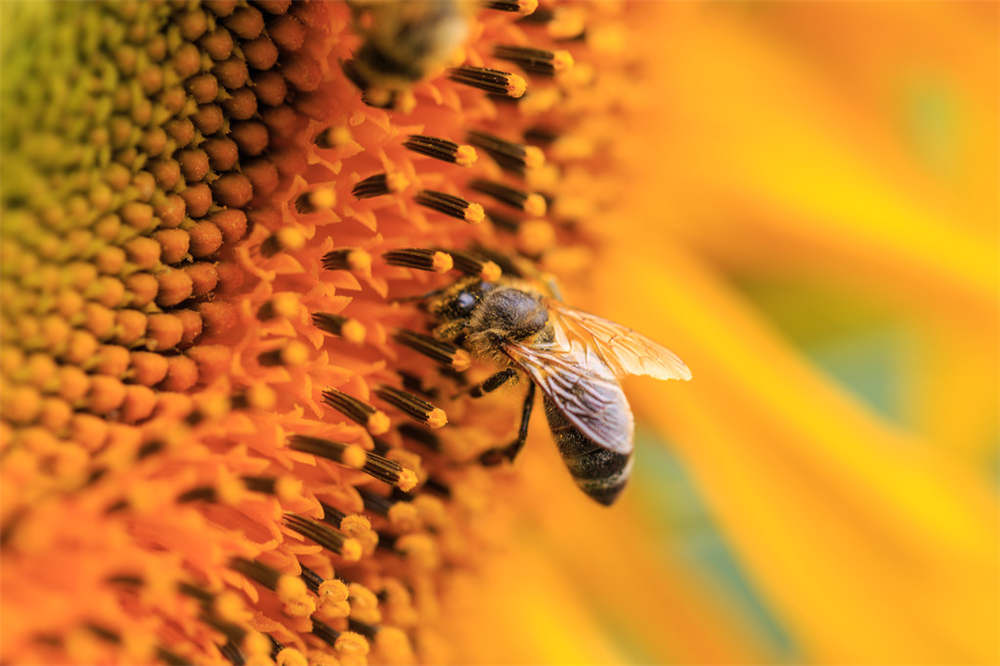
[[290, 657], [353, 331], [404, 517], [406, 102], [261, 396], [350, 643], [527, 7], [393, 646], [490, 272], [332, 591], [285, 304], [420, 550], [354, 524], [290, 239], [295, 353], [461, 361], [230, 491], [407, 480], [535, 236], [359, 261], [323, 198], [466, 155], [256, 643], [339, 136], [567, 23], [562, 60], [534, 205], [229, 607], [378, 423], [442, 262], [534, 158], [351, 550], [474, 214], [437, 418], [540, 101], [354, 456], [516, 86], [288, 489], [397, 182]]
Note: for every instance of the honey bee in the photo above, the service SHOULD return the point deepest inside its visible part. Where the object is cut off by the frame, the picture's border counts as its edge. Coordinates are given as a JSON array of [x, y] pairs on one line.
[[405, 41], [575, 358]]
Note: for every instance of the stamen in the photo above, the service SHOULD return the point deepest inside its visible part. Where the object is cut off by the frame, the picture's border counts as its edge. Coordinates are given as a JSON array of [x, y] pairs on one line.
[[350, 329], [540, 135], [485, 270], [414, 383], [502, 220], [350, 455], [232, 653], [442, 149], [535, 61], [510, 156], [421, 410], [332, 540], [312, 579], [257, 571], [285, 305], [333, 137], [322, 198], [524, 7], [373, 419], [199, 493], [292, 354], [420, 259], [421, 435], [332, 516], [350, 259], [451, 205], [402, 515], [389, 471], [291, 590], [287, 239], [442, 352], [379, 184], [285, 488], [491, 80], [531, 203]]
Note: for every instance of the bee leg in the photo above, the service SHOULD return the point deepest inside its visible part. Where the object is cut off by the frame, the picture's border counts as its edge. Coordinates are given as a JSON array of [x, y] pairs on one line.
[[490, 384], [495, 456]]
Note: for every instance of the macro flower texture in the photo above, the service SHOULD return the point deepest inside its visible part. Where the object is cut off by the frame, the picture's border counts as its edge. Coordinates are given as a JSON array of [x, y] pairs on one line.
[[237, 425]]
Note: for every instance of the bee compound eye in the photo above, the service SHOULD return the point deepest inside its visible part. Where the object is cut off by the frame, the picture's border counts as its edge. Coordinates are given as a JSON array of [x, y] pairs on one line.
[[465, 301]]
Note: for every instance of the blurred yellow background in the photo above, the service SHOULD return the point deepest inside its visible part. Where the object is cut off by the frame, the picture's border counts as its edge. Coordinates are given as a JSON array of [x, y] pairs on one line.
[[812, 226]]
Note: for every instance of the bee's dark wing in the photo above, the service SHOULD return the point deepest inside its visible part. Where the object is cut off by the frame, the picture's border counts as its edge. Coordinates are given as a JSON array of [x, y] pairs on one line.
[[623, 350], [584, 389]]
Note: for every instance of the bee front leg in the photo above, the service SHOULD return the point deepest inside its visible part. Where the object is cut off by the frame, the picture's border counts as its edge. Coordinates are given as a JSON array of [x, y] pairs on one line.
[[490, 384], [449, 330], [494, 456]]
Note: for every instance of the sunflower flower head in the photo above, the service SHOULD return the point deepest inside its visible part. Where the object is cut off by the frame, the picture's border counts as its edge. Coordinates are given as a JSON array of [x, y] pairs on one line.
[[226, 433]]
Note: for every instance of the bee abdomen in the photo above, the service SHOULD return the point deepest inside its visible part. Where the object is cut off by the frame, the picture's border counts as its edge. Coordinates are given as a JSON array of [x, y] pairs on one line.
[[600, 473]]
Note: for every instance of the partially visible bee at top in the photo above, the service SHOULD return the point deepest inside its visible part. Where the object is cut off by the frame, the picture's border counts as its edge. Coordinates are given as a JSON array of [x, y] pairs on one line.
[[575, 358], [405, 41]]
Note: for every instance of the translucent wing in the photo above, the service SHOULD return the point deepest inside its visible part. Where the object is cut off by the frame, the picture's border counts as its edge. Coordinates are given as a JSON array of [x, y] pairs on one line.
[[619, 347], [583, 389]]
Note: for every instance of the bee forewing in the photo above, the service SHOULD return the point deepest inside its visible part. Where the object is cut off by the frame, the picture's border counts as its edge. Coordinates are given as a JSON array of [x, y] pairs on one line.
[[584, 389], [623, 350]]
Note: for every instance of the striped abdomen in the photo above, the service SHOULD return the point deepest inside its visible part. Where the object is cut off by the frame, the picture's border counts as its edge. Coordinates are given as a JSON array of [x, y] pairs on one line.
[[599, 472]]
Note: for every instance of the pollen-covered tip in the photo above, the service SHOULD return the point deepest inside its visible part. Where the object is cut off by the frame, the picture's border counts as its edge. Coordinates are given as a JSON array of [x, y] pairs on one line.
[[349, 259], [451, 205], [284, 240], [319, 199], [493, 81], [486, 270], [509, 155], [422, 259], [364, 414], [531, 203], [442, 149], [350, 455], [349, 329], [445, 353], [379, 184], [535, 61], [415, 407]]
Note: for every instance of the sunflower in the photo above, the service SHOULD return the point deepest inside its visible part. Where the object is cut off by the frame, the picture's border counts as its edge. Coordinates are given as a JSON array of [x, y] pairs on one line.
[[228, 436]]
